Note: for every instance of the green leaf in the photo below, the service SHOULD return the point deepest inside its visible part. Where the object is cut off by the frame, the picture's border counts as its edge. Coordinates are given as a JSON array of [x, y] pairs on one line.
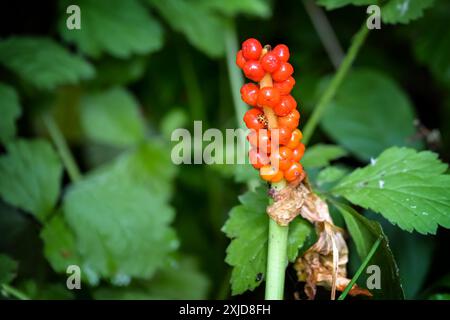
[[333, 4], [8, 269], [439, 296], [320, 155], [120, 28], [404, 11], [174, 119], [204, 29], [42, 62], [331, 175], [120, 216], [247, 226], [407, 187], [10, 110], [112, 117], [181, 280], [118, 72], [369, 114], [259, 8], [364, 233], [431, 41], [413, 253], [30, 176], [59, 244]]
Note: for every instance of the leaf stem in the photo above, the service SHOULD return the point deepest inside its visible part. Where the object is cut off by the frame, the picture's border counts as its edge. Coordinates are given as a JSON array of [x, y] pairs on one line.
[[13, 292], [335, 83], [62, 148], [361, 269]]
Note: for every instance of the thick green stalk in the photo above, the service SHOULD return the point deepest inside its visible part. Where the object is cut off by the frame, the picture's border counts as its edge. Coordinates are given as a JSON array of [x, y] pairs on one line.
[[62, 148], [361, 268], [276, 261], [335, 83], [13, 292]]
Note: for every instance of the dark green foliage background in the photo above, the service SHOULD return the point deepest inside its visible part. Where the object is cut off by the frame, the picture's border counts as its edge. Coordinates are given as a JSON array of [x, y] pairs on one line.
[[142, 227]]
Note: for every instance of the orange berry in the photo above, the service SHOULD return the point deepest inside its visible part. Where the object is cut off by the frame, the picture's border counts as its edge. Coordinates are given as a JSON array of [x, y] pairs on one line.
[[278, 177], [253, 70], [295, 139], [298, 152], [270, 62], [260, 139], [294, 172], [282, 156], [268, 172], [290, 121], [257, 159]]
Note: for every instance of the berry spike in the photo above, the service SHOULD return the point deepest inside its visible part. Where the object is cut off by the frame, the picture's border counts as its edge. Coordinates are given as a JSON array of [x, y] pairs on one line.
[[276, 110]]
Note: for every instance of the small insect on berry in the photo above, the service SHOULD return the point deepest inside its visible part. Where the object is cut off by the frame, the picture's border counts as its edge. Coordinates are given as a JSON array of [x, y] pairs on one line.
[[251, 49], [282, 52], [253, 70], [270, 62], [249, 94], [254, 119], [268, 97]]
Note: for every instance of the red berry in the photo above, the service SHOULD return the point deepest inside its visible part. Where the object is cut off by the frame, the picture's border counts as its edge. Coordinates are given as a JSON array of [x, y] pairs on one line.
[[282, 52], [240, 60], [290, 121], [283, 73], [257, 159], [296, 136], [253, 70], [249, 93], [270, 62], [278, 177], [286, 86], [269, 97], [251, 49], [298, 152], [294, 172], [286, 105], [254, 119], [260, 139]]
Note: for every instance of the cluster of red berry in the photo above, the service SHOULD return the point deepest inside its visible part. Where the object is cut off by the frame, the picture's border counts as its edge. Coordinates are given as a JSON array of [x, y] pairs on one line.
[[274, 109]]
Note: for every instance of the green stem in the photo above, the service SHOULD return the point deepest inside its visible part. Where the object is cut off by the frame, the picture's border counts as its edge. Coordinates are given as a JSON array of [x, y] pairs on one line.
[[335, 83], [62, 148], [276, 261], [13, 292], [361, 268]]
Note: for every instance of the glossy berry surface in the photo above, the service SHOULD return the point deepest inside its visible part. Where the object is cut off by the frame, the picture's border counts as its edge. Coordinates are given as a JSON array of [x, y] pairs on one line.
[[294, 172], [253, 119], [285, 87], [282, 52], [249, 94], [240, 60], [269, 97], [298, 152], [253, 70], [290, 121], [251, 49], [260, 139], [295, 139], [258, 159], [270, 62], [285, 106], [283, 73]]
